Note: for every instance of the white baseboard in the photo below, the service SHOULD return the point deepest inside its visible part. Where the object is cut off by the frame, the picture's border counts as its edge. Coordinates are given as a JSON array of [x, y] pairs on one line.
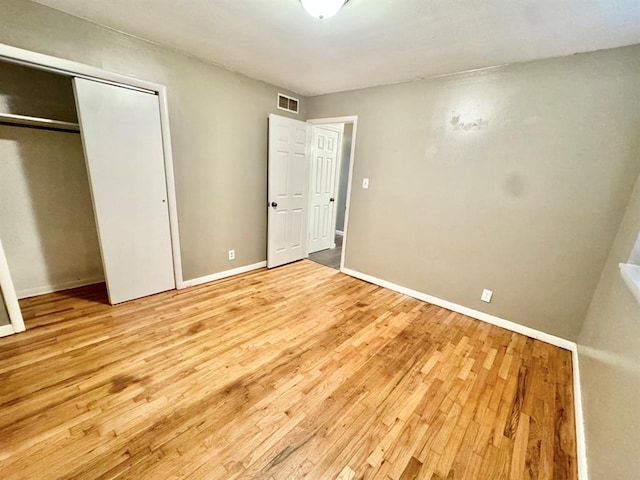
[[220, 275], [340, 233], [57, 287], [581, 440], [6, 330], [485, 317], [514, 327]]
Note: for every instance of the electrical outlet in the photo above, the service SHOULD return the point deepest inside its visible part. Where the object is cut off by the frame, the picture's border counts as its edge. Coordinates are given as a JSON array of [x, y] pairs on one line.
[[232, 254], [365, 183], [486, 295]]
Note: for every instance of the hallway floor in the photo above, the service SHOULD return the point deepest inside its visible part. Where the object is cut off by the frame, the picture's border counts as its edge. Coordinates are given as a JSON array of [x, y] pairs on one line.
[[330, 257]]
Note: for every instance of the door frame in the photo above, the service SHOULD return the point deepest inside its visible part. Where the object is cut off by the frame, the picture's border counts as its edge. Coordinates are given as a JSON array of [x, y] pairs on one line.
[[70, 68], [8, 294], [339, 129], [346, 119]]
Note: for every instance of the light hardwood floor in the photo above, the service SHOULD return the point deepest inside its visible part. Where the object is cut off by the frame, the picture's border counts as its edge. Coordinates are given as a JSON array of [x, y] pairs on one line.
[[297, 372]]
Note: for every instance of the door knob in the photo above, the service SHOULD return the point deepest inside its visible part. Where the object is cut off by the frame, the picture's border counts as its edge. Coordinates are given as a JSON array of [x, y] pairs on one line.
[[274, 204], [332, 199]]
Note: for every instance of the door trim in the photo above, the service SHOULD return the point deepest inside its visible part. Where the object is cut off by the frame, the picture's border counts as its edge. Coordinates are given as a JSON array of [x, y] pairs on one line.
[[347, 119], [70, 68], [8, 293]]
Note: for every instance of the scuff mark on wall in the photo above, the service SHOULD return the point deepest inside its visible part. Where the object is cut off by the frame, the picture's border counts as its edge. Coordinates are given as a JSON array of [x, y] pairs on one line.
[[515, 184], [463, 124], [430, 152]]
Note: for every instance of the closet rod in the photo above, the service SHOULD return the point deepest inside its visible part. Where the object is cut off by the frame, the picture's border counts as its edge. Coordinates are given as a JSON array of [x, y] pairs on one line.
[[37, 122]]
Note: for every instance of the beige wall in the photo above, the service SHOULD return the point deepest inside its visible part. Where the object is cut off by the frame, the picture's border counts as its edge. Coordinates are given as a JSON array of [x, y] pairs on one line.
[[513, 179], [609, 352], [218, 125]]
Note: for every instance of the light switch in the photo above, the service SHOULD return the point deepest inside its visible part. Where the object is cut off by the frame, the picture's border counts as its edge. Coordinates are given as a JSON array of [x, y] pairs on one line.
[[486, 295], [365, 183]]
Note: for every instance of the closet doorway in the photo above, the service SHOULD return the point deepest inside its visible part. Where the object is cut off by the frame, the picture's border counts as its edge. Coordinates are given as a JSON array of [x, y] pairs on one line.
[[47, 224], [84, 199]]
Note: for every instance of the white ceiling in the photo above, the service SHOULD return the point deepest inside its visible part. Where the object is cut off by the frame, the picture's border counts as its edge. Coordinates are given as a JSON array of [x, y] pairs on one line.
[[369, 42]]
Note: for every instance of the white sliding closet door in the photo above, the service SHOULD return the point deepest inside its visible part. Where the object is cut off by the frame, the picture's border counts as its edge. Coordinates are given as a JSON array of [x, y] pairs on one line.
[[122, 141]]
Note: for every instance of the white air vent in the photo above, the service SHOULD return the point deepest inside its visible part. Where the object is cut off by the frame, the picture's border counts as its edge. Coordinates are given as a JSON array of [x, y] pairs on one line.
[[289, 104]]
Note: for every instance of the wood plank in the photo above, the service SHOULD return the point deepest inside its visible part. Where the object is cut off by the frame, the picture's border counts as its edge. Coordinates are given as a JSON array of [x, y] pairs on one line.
[[293, 372]]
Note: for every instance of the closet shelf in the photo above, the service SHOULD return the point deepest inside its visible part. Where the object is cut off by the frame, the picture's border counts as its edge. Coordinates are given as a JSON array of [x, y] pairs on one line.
[[24, 120]]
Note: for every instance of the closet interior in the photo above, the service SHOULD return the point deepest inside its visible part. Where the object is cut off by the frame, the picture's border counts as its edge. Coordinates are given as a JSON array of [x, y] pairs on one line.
[[72, 195]]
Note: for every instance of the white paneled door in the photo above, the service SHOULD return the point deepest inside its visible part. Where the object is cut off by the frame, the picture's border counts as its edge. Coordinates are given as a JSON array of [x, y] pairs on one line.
[[324, 168], [122, 139], [288, 184]]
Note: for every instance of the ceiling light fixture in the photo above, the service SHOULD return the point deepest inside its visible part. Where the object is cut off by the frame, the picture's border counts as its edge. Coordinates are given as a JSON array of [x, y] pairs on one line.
[[323, 8]]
